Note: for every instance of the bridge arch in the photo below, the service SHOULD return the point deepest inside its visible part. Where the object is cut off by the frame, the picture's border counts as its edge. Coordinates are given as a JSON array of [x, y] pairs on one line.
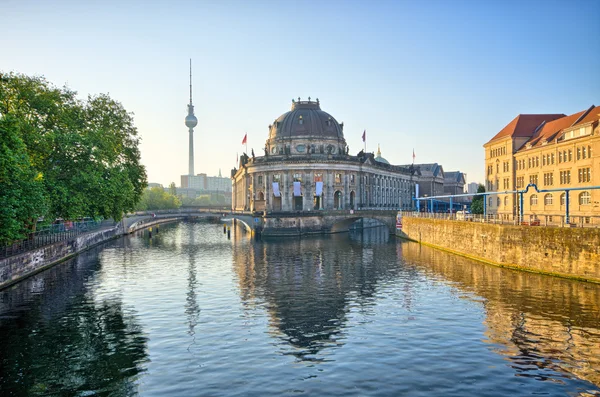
[[343, 225]]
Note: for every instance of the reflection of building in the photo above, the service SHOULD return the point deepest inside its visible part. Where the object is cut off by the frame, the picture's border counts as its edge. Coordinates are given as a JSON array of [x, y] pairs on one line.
[[540, 321], [307, 166], [551, 151], [307, 285]]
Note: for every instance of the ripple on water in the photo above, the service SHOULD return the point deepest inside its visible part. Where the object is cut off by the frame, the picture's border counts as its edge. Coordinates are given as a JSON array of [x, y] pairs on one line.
[[193, 313]]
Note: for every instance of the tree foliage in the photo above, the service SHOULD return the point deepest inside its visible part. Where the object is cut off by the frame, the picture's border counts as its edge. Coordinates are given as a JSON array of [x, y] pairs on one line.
[[157, 199], [22, 196], [83, 153], [477, 203]]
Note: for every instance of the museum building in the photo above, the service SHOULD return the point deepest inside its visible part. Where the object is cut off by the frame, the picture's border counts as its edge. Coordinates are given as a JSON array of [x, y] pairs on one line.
[[306, 166]]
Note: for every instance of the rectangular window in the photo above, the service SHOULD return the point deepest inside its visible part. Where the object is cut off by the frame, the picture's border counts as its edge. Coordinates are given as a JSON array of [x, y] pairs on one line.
[[260, 179], [297, 177], [352, 179], [276, 178], [584, 175], [318, 177], [338, 178], [533, 179], [560, 157], [570, 155]]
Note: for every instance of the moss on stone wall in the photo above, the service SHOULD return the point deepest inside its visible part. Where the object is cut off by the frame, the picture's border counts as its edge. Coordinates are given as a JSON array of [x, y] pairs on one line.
[[567, 252]]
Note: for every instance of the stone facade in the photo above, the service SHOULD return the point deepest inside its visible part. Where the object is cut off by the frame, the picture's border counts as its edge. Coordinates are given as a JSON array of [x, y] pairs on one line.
[[305, 152], [552, 151]]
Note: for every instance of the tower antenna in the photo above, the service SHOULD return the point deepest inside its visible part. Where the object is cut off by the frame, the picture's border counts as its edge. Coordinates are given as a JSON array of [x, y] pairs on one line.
[[190, 81]]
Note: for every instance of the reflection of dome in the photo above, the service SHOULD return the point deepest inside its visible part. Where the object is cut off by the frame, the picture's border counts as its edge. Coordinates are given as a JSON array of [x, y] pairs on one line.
[[305, 120], [380, 159]]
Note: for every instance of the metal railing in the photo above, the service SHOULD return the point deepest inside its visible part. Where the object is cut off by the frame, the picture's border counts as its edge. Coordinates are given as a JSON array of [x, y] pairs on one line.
[[51, 234], [551, 220]]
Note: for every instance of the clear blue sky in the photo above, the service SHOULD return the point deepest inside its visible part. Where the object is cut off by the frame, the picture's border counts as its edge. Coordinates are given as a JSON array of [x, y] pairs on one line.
[[441, 77]]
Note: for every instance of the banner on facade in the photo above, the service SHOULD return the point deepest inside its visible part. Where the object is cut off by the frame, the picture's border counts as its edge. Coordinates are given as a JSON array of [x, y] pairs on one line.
[[319, 189], [276, 192], [297, 191]]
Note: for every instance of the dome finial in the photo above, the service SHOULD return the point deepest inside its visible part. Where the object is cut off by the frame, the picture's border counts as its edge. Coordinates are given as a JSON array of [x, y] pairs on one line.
[[378, 151]]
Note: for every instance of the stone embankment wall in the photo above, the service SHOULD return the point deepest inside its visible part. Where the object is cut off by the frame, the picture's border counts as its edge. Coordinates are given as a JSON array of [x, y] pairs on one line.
[[565, 252], [18, 267]]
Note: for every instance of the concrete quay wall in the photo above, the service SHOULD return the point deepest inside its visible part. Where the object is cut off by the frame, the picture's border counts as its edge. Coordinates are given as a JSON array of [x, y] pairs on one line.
[[15, 268], [565, 252]]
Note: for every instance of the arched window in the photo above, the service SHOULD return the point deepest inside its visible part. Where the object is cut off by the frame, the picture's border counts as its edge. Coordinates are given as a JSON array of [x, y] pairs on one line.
[[563, 199], [585, 198], [490, 201], [533, 200], [498, 201], [548, 199], [506, 201]]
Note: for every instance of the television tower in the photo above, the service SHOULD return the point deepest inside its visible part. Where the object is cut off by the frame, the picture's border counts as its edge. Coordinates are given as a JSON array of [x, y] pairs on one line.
[[191, 121]]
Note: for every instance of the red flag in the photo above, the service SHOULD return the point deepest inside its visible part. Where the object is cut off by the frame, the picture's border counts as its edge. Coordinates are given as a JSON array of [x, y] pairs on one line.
[[414, 155], [245, 139], [364, 135]]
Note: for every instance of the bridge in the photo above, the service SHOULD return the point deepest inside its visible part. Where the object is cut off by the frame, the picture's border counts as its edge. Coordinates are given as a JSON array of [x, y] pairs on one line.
[[276, 224]]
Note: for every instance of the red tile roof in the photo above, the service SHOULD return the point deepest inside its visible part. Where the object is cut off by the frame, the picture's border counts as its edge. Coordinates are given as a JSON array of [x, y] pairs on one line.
[[551, 129], [593, 115], [524, 125]]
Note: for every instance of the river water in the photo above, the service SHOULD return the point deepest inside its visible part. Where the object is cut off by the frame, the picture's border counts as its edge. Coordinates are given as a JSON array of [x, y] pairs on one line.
[[191, 313]]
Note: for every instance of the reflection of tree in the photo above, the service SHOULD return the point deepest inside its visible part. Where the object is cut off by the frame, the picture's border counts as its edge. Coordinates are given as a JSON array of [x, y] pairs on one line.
[[541, 322], [50, 348], [96, 348], [308, 283]]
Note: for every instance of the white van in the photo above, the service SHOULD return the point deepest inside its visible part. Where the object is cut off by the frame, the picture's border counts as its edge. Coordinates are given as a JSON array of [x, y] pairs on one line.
[[464, 216]]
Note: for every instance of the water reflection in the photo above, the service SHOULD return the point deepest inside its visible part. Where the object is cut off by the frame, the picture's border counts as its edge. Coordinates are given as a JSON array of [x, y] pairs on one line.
[[538, 323], [58, 338], [309, 284]]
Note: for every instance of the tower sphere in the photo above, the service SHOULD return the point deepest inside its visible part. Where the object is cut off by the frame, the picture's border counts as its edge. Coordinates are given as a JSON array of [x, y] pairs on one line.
[[191, 121]]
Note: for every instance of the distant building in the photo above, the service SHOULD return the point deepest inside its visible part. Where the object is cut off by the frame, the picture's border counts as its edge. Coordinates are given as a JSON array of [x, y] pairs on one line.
[[454, 182], [472, 187], [551, 151], [430, 179], [154, 184]]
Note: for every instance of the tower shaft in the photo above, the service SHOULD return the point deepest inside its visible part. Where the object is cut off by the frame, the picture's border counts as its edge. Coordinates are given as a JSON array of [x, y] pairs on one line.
[[191, 164], [191, 121]]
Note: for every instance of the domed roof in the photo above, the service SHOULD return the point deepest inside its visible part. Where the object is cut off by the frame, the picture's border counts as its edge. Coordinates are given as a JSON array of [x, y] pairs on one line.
[[380, 159], [306, 120]]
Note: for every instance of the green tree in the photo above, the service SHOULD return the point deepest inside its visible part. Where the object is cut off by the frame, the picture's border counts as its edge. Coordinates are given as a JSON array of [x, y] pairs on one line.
[[477, 203], [85, 152], [157, 199], [22, 198], [173, 189]]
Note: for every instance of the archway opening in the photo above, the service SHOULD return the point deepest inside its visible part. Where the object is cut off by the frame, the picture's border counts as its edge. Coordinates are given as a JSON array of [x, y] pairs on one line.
[[317, 203], [298, 203], [276, 203], [352, 197], [337, 200]]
